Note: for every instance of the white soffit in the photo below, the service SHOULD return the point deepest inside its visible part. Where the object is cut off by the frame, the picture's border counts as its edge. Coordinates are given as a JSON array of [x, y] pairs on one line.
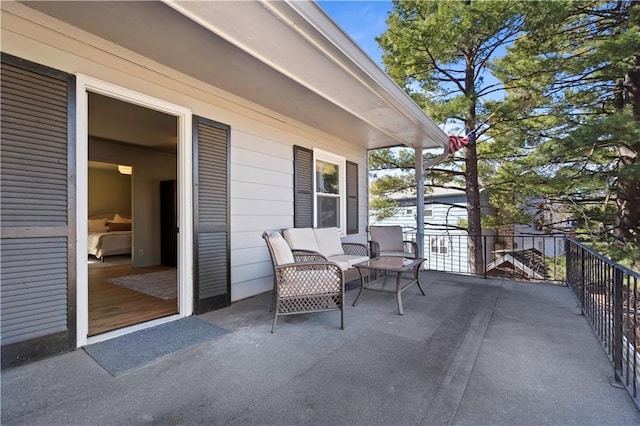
[[289, 57], [304, 44]]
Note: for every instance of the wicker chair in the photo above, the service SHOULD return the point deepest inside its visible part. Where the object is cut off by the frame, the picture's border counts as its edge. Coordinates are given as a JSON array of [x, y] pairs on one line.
[[388, 241], [303, 281]]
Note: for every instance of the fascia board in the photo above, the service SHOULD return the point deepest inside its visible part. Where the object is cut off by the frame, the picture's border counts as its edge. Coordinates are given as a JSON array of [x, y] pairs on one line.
[[362, 89]]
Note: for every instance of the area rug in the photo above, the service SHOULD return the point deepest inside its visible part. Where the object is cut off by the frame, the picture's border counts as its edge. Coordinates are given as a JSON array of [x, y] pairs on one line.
[[161, 284], [145, 347]]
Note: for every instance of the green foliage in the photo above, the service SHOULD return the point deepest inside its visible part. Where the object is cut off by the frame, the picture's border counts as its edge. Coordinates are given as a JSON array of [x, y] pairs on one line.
[[567, 102], [627, 255], [561, 83]]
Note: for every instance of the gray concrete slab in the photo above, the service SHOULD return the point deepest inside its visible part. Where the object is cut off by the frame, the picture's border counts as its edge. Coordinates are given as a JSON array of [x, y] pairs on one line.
[[472, 351]]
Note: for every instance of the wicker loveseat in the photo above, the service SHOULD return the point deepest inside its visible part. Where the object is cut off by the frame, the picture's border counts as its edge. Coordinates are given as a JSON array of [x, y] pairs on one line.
[[327, 242], [309, 268]]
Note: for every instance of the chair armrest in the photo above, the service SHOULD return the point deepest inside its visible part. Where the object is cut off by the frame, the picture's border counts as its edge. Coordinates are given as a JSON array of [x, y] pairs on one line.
[[308, 256], [355, 249], [411, 247], [309, 278], [375, 248]]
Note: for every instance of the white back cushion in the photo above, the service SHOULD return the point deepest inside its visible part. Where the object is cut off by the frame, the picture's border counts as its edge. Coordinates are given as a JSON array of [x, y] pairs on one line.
[[281, 251], [301, 239], [328, 240], [120, 219]]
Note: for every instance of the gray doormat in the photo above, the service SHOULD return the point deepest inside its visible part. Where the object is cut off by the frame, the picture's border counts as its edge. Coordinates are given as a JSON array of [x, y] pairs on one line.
[[145, 347], [160, 284]]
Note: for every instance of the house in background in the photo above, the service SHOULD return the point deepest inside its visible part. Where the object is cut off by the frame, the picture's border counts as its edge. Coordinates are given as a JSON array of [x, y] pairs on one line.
[[513, 250], [245, 105], [445, 216], [544, 234]]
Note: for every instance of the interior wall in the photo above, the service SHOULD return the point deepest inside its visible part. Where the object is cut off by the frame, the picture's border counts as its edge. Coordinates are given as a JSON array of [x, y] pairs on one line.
[[149, 168], [109, 192]]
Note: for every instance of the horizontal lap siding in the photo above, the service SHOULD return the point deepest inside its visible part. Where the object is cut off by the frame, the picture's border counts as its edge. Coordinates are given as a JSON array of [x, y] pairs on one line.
[[34, 192]]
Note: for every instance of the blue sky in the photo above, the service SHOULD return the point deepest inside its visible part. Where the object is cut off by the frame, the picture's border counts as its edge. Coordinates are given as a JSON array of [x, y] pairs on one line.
[[362, 20]]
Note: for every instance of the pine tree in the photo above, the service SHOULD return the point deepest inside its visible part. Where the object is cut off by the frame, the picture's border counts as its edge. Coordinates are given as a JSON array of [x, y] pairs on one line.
[[441, 52], [578, 112]]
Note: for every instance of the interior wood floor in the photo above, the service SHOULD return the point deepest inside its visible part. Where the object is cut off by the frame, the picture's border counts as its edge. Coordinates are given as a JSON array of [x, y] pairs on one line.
[[112, 307]]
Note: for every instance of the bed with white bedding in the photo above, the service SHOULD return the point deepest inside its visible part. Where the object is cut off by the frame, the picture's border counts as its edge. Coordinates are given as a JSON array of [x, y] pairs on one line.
[[109, 235], [102, 244]]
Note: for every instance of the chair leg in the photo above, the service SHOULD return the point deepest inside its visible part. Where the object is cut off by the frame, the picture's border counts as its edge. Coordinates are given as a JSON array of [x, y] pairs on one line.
[[272, 305], [273, 296], [342, 317], [275, 318]]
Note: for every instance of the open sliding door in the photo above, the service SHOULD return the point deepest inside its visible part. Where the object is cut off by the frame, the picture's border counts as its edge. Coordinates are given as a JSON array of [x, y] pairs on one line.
[[211, 273]]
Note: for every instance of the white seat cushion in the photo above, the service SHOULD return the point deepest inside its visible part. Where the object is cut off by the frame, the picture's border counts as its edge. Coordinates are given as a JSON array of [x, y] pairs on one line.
[[347, 261], [281, 250], [328, 240], [301, 239], [343, 264]]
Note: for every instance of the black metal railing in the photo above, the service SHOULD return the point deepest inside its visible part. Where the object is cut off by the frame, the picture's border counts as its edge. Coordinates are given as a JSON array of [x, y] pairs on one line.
[[530, 257], [608, 295]]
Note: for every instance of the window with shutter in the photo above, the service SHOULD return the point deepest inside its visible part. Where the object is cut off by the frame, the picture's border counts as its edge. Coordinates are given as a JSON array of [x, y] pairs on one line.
[[352, 198], [325, 190]]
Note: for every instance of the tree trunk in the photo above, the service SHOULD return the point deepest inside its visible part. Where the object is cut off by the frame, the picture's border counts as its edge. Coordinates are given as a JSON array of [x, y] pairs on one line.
[[628, 192], [472, 188], [476, 250]]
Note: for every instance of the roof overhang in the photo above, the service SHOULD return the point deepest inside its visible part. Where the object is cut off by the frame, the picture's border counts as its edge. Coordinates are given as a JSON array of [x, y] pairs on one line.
[[287, 56]]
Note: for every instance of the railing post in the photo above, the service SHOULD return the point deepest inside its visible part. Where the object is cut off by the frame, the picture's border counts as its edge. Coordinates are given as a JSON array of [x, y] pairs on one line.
[[617, 321], [582, 280], [484, 255]]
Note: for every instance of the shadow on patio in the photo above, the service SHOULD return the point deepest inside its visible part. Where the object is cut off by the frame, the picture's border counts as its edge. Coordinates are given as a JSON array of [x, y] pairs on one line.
[[472, 351]]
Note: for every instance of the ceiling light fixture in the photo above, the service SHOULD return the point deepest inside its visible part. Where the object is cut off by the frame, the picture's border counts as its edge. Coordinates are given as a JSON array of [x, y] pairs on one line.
[[125, 170]]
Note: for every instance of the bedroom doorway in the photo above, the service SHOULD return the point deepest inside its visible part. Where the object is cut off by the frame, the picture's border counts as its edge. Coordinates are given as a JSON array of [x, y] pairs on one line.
[[132, 240]]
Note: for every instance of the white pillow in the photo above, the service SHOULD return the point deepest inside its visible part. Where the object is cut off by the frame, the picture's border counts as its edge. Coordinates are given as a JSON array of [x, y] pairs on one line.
[[328, 240], [119, 219], [97, 225], [281, 251], [301, 239]]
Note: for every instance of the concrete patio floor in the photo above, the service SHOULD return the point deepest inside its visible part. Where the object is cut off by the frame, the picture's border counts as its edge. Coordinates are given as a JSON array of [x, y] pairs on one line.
[[470, 352]]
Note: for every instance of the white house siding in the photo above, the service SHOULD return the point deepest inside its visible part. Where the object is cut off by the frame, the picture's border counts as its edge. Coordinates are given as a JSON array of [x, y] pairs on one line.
[[528, 236], [261, 140], [444, 212]]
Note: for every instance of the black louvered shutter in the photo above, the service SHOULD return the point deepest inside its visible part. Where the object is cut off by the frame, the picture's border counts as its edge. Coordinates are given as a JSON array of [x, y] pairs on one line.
[[302, 187], [212, 287], [352, 198], [36, 211]]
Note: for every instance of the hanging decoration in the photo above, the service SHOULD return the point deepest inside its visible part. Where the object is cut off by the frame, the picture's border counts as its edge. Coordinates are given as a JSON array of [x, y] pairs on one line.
[[456, 143]]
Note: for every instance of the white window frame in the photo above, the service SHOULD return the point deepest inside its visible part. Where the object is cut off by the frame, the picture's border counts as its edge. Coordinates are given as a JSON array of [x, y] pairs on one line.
[[441, 243], [341, 162]]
